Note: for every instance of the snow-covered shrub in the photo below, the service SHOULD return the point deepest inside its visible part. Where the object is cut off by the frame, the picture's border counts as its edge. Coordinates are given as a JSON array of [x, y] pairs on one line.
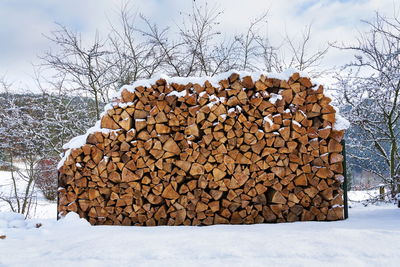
[[46, 178]]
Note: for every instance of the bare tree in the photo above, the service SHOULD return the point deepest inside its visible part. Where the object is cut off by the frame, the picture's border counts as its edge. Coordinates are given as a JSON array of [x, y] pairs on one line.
[[269, 54], [133, 57], [83, 68], [199, 48], [371, 95], [302, 56], [251, 44], [199, 35]]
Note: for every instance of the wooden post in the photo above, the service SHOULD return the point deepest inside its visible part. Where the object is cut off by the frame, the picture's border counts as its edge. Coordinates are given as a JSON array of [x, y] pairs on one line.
[[382, 192]]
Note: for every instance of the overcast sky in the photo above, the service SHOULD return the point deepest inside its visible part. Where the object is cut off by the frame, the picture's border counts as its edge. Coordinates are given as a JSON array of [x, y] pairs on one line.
[[24, 22]]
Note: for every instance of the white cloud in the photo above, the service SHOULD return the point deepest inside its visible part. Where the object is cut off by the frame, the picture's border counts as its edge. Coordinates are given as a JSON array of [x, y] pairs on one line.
[[23, 22]]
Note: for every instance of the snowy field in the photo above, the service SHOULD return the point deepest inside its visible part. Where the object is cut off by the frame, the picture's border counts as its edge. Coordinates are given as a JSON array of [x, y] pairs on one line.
[[361, 195], [43, 209], [370, 237]]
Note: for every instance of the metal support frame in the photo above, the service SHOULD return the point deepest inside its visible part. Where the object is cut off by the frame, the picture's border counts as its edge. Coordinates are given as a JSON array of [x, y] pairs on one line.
[[344, 185], [58, 194]]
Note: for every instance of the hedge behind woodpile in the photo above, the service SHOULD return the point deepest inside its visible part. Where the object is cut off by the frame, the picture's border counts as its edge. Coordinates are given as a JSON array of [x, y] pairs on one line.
[[246, 150]]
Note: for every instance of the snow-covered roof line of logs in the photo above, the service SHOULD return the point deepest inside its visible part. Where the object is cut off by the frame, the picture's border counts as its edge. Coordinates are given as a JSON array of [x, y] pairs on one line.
[[233, 148]]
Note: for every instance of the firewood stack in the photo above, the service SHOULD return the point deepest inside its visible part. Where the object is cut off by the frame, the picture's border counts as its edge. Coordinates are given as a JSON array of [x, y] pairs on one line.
[[245, 151]]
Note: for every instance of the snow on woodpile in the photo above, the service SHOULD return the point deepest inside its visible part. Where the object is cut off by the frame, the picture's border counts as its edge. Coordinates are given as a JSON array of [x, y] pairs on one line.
[[233, 148]]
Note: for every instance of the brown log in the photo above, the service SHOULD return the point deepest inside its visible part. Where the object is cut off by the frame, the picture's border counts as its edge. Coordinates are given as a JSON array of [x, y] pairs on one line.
[[184, 165], [108, 123], [171, 146], [162, 128], [170, 193], [192, 130], [218, 174], [301, 180], [324, 173], [277, 197], [129, 176], [196, 169], [335, 158]]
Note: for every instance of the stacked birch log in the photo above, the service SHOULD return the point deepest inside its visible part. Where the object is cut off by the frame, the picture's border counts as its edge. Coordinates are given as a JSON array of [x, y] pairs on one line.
[[242, 151]]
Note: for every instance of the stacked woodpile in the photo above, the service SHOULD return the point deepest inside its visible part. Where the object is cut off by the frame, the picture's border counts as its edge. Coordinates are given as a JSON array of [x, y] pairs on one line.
[[245, 151]]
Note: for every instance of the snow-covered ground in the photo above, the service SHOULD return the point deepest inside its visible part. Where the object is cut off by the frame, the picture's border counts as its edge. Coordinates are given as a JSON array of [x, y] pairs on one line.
[[370, 237], [43, 209], [361, 195]]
